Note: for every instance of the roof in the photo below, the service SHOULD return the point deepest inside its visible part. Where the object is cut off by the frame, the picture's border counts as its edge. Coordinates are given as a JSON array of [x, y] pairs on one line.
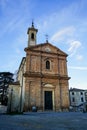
[[23, 59], [15, 83], [76, 89]]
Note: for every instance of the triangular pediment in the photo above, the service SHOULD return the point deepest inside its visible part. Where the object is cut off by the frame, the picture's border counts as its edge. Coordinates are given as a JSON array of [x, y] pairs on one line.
[[48, 48]]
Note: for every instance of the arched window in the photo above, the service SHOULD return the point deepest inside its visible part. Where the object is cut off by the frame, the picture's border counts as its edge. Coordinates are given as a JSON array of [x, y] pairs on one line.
[[47, 64], [32, 35]]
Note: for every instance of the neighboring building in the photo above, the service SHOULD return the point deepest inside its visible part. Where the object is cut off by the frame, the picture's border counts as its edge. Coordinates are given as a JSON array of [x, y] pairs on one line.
[[16, 90], [21, 79], [86, 95], [77, 97], [14, 95], [43, 76]]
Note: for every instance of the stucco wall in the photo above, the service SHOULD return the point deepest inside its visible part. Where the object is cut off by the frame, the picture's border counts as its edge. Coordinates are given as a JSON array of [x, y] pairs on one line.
[[13, 98]]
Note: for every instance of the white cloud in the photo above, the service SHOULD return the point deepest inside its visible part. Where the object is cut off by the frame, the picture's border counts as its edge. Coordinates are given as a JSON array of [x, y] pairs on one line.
[[74, 45], [18, 51], [10, 26], [79, 57], [77, 68], [63, 34]]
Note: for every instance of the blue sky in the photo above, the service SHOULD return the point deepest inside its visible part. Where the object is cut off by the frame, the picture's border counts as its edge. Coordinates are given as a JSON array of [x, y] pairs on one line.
[[65, 21]]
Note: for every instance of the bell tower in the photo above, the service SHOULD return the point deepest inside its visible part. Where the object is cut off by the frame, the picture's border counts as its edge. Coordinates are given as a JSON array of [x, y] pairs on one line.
[[32, 35]]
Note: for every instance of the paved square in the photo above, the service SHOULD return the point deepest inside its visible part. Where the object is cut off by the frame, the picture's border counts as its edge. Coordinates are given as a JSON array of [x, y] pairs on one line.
[[44, 121]]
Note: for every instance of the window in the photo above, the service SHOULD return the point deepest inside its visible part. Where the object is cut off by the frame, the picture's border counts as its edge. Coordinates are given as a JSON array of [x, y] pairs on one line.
[[72, 93], [82, 99], [47, 64], [81, 93], [73, 99], [32, 35]]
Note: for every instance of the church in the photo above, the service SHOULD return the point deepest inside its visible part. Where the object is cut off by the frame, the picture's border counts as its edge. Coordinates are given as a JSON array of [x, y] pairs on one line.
[[43, 76]]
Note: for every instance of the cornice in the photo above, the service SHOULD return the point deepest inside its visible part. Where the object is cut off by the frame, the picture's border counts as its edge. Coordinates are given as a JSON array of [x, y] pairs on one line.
[[49, 76]]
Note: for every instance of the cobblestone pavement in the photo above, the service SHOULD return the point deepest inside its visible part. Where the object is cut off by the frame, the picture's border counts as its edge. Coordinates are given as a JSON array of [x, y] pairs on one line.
[[44, 121]]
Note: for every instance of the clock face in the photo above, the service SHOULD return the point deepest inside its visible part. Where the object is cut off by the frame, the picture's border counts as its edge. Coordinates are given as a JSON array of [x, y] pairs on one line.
[[47, 49]]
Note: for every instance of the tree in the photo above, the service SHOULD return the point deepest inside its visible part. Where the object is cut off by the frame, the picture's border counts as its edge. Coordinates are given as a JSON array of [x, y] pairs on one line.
[[5, 79]]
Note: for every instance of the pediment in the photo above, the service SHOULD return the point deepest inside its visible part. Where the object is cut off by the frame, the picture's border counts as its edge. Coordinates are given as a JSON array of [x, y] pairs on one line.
[[48, 48], [48, 86]]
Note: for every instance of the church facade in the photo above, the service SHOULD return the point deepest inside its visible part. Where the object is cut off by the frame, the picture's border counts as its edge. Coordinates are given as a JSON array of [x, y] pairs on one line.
[[45, 78]]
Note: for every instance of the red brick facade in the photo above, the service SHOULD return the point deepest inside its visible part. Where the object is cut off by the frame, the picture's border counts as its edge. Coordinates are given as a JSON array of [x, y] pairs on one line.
[[46, 71]]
